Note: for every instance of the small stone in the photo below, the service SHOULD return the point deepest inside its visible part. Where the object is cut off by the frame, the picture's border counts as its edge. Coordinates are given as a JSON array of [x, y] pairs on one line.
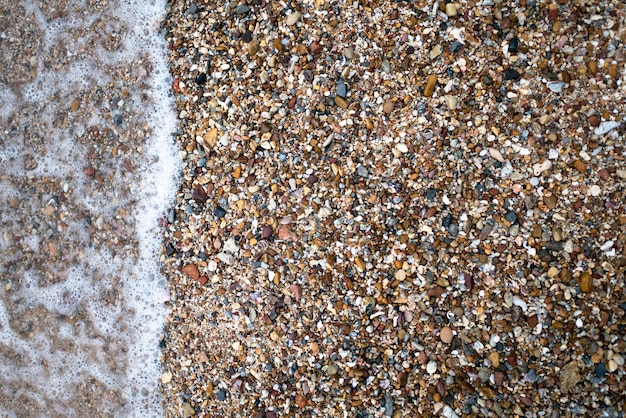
[[595, 190], [556, 86], [342, 89], [612, 365], [388, 107], [580, 166], [242, 9], [253, 47], [166, 377], [360, 264], [436, 51], [446, 335], [221, 395], [341, 102], [600, 370], [451, 9], [511, 74], [191, 270], [188, 410], [494, 358], [569, 376], [431, 367], [606, 127], [513, 45], [267, 231], [498, 377], [219, 212], [295, 289], [331, 370], [586, 282], [293, 18], [511, 216], [494, 153], [300, 400], [348, 52], [430, 85], [402, 148], [553, 272]]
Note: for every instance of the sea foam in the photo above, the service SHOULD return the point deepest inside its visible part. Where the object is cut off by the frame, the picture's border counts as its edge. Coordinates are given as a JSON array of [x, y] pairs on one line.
[[88, 166]]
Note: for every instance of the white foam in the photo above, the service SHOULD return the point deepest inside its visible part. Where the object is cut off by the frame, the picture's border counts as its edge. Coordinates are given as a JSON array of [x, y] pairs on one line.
[[124, 353]]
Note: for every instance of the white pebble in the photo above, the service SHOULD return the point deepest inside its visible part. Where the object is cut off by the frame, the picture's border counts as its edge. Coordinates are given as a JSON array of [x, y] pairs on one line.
[[607, 246], [517, 301], [606, 127], [431, 367], [595, 190]]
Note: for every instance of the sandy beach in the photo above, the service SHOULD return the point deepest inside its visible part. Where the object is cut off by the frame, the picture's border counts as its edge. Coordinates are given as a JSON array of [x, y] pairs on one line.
[[397, 209]]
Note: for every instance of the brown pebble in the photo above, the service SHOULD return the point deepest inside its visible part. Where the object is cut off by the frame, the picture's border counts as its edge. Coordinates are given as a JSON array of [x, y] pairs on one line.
[[388, 107], [446, 335], [253, 47], [267, 231], [593, 67], [580, 166], [594, 121], [316, 48], [191, 270], [300, 400], [430, 85], [498, 377], [586, 282], [341, 102]]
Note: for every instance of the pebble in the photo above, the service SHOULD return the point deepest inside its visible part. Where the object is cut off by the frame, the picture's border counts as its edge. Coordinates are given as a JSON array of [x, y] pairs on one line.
[[267, 231], [342, 89], [494, 153], [430, 85], [331, 370], [431, 367], [451, 9], [293, 18], [446, 335], [166, 377], [388, 107], [221, 395], [219, 212], [569, 376], [606, 127], [341, 102], [586, 282], [242, 9], [595, 190], [556, 86]]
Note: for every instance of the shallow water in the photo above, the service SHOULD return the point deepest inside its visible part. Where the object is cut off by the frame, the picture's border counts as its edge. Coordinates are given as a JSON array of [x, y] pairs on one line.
[[87, 166]]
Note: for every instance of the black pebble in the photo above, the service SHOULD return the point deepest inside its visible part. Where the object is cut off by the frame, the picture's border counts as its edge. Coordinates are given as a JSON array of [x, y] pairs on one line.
[[511, 74], [201, 79], [219, 211], [247, 37], [600, 370], [513, 44]]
